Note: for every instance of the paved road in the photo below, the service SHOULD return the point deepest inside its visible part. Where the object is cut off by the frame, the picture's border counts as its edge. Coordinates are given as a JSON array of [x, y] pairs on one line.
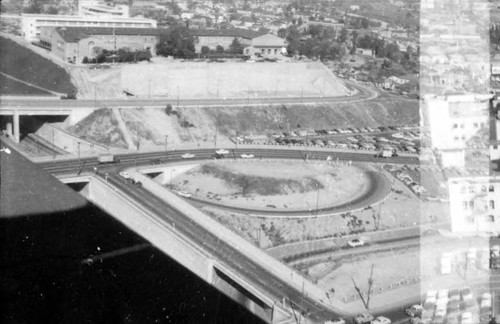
[[364, 93], [224, 253]]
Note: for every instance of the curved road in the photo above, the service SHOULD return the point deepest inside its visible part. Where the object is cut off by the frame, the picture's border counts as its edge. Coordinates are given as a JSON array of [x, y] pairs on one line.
[[364, 93]]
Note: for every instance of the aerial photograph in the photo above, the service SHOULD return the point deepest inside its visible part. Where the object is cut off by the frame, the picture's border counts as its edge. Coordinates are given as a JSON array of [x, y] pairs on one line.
[[250, 161]]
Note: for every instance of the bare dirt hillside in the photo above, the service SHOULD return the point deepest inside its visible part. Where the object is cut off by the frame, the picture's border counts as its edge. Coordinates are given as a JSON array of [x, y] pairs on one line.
[[149, 128]]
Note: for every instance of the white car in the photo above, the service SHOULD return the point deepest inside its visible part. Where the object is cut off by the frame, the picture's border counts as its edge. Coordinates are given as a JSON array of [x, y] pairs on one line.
[[125, 175], [247, 156], [466, 318], [486, 300], [184, 194], [335, 321], [355, 243], [188, 156], [363, 318], [381, 320], [222, 152]]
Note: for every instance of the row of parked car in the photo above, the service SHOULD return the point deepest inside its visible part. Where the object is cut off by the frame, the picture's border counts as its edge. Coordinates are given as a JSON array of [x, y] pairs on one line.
[[348, 130]]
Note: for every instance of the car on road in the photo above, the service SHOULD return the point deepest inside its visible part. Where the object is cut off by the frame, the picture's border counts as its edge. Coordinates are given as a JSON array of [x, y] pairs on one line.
[[134, 182], [335, 321], [184, 194], [364, 318], [414, 311], [125, 174], [381, 320], [355, 243], [188, 156], [454, 294], [247, 156], [222, 152]]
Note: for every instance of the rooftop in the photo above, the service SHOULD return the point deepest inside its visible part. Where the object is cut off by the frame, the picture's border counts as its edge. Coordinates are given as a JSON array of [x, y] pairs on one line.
[[233, 32], [74, 34]]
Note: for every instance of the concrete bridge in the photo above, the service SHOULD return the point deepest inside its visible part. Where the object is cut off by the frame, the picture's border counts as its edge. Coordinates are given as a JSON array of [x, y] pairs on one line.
[[246, 274]]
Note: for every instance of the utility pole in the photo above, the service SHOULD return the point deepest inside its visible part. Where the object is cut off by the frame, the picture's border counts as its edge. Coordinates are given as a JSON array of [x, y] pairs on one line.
[[166, 148], [78, 150]]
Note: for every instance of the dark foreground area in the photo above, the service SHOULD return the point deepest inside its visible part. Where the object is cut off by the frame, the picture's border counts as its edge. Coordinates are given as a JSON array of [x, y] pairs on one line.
[[46, 276]]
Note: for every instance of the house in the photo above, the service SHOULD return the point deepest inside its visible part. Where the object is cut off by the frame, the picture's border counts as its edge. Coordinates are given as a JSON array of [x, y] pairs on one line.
[[267, 46], [364, 51], [72, 44]]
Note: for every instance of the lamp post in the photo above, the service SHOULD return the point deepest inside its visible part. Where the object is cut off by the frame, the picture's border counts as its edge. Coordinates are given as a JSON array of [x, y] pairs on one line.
[[166, 148], [78, 150]]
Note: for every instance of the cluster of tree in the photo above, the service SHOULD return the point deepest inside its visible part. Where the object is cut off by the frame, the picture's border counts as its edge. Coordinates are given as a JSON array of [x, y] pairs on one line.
[[176, 42], [234, 49], [495, 34], [121, 55], [40, 7]]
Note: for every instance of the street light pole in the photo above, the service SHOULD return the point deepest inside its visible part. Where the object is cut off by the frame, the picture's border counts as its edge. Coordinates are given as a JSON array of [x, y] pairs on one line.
[[166, 148]]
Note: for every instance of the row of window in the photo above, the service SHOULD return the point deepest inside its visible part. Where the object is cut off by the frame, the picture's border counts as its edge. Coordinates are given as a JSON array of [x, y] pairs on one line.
[[472, 189], [487, 219], [462, 126], [470, 205]]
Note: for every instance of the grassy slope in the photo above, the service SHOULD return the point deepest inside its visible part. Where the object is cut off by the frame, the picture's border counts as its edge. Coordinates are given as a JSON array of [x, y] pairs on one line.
[[28, 66], [12, 87]]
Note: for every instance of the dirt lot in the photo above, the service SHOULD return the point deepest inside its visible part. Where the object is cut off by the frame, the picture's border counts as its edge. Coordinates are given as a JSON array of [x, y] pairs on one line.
[[275, 185]]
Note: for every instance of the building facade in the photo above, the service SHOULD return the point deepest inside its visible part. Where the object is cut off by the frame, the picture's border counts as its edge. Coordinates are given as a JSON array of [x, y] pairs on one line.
[[474, 204], [268, 45], [99, 8], [32, 23], [212, 38], [73, 44]]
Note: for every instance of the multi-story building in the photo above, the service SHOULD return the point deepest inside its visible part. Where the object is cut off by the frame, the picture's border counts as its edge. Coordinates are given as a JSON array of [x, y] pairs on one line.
[[99, 8], [32, 23], [73, 44], [269, 46], [455, 119], [474, 204], [212, 38]]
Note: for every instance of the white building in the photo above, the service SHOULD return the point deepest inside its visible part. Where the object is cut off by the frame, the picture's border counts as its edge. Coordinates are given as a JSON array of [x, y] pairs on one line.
[[99, 8], [31, 23], [474, 204], [455, 119]]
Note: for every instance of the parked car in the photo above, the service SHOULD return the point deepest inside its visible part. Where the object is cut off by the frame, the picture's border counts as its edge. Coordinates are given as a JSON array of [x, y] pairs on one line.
[[188, 156], [381, 320], [247, 156], [335, 321], [364, 318], [466, 293], [355, 243], [125, 174], [454, 294], [415, 311], [184, 194], [222, 152]]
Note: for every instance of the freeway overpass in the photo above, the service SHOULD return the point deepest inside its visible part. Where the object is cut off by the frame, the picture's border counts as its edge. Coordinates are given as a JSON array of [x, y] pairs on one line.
[[259, 282], [13, 108]]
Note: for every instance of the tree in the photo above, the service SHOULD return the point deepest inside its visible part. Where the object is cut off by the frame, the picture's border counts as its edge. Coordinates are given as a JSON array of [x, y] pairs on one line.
[[354, 35], [34, 7], [85, 60], [219, 49], [236, 47], [282, 32], [343, 35], [293, 39], [176, 42], [365, 23], [205, 50], [300, 21]]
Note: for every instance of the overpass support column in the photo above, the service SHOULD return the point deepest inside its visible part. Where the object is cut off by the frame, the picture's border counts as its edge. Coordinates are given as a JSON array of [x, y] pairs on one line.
[[15, 120]]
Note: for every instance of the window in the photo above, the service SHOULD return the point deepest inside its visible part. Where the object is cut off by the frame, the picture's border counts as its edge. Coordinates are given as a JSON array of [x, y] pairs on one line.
[[483, 189], [470, 219], [464, 205], [490, 218], [455, 125], [268, 51], [262, 50], [491, 188], [275, 51], [463, 189], [492, 204], [471, 205], [472, 189]]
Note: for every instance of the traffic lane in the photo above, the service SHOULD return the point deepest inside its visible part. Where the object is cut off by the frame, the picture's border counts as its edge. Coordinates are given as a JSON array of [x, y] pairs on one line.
[[236, 260]]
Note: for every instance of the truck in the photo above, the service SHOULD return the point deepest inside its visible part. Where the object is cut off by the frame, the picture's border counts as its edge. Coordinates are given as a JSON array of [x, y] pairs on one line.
[[106, 158]]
